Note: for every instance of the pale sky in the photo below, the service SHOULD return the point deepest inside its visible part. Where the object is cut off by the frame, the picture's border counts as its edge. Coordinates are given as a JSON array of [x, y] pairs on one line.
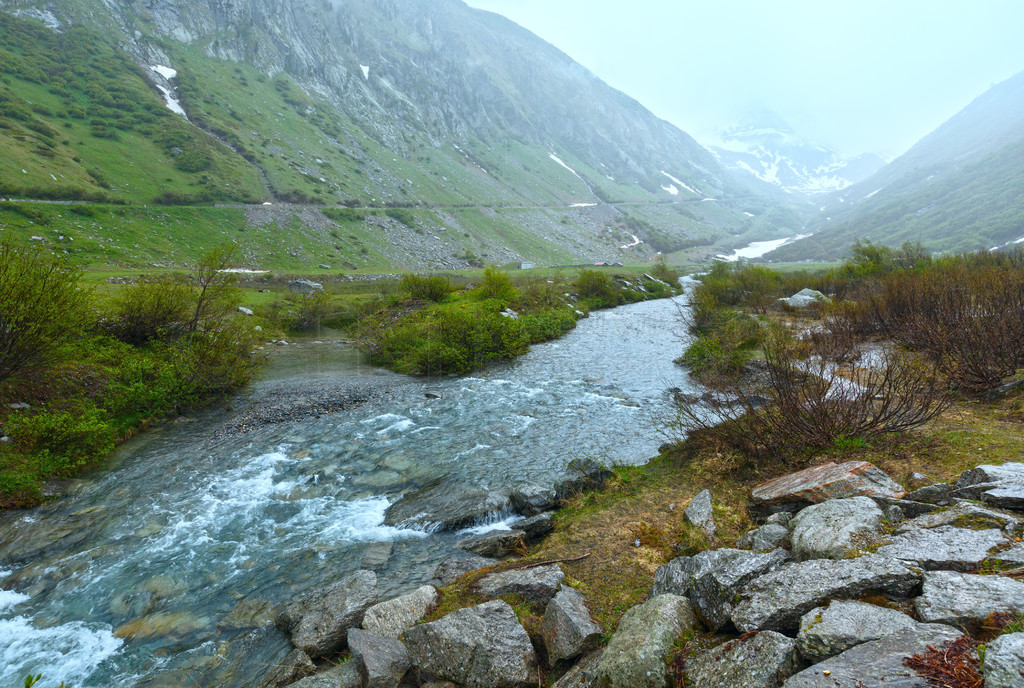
[[860, 76]]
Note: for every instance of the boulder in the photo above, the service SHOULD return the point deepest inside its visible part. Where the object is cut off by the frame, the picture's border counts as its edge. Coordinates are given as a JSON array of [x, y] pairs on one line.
[[777, 600], [295, 666], [567, 627], [966, 600], [583, 674], [445, 505], [945, 547], [318, 621], [765, 538], [377, 555], [828, 631], [304, 286], [805, 298], [537, 584], [699, 513], [999, 485], [909, 507], [249, 613], [963, 515], [344, 675], [581, 477], [530, 499], [536, 527], [477, 647], [496, 543], [383, 662], [1004, 662], [635, 655], [392, 617], [711, 579], [764, 660], [827, 481], [781, 518], [453, 568], [939, 493], [877, 664], [835, 528]]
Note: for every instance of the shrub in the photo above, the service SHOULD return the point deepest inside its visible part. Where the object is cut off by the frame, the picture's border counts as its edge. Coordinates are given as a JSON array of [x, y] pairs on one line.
[[497, 286], [597, 288], [64, 440], [312, 309], [155, 308], [430, 288]]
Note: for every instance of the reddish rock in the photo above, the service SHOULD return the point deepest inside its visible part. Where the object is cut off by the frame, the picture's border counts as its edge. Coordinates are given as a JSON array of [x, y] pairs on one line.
[[828, 481]]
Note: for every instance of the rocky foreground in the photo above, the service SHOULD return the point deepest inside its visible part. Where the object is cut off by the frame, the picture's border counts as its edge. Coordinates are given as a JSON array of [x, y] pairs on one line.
[[849, 576]]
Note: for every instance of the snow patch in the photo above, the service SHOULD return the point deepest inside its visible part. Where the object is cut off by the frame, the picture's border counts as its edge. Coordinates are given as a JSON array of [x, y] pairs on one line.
[[757, 249], [748, 214], [169, 100], [583, 205], [681, 183], [636, 242], [671, 188], [560, 162], [872, 193], [366, 71], [166, 72]]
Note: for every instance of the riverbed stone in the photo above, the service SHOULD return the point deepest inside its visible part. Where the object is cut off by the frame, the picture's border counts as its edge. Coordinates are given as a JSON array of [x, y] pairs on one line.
[[700, 514], [580, 477], [476, 647], [583, 673], [567, 627], [344, 675], [1001, 485], [377, 555], [966, 600], [635, 655], [537, 584], [944, 548], [712, 579], [818, 483], [391, 617], [763, 660], [964, 515], [1004, 662], [290, 669], [453, 568], [318, 621], [249, 613], [835, 528], [382, 662], [162, 624], [445, 505], [530, 499], [777, 600], [878, 663], [828, 631], [764, 538], [536, 527], [939, 493], [496, 543]]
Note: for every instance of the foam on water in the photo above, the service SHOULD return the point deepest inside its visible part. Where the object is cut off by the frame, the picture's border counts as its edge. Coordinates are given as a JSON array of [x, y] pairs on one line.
[[68, 652]]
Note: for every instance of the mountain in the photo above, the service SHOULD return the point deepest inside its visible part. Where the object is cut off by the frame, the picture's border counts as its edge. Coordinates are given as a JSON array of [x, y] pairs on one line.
[[765, 146], [958, 189], [482, 142]]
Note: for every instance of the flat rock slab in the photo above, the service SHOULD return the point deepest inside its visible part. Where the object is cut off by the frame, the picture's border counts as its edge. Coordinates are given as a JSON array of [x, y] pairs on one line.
[[711, 579], [392, 617], [453, 568], [445, 506], [944, 548], [877, 664], [835, 528], [538, 584], [828, 481], [1012, 558], [567, 627], [1001, 485], [530, 499], [777, 600], [344, 675], [828, 631], [537, 526], [963, 515], [496, 543], [635, 656], [765, 538], [383, 662], [763, 660], [966, 600], [1004, 662], [939, 493], [319, 620], [476, 647]]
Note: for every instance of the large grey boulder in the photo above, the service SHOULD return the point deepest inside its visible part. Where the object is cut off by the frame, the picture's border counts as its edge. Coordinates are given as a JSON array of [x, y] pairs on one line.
[[393, 616], [835, 528], [530, 499], [966, 600], [536, 527], [777, 600], [304, 286], [496, 543], [453, 568], [537, 584], [939, 493], [1001, 485], [583, 674], [877, 664], [712, 579], [827, 631], [344, 675], [1004, 662], [635, 656], [383, 662], [805, 298], [763, 660], [295, 666], [580, 477], [477, 647], [963, 515], [764, 538], [318, 621], [700, 514], [567, 627], [818, 483], [945, 547], [446, 505]]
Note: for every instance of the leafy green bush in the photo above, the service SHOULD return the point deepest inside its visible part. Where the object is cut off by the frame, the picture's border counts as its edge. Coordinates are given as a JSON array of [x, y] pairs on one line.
[[64, 440], [597, 289], [429, 288], [497, 286], [312, 309]]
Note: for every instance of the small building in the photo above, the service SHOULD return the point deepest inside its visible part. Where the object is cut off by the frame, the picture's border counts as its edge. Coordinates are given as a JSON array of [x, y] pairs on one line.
[[526, 265]]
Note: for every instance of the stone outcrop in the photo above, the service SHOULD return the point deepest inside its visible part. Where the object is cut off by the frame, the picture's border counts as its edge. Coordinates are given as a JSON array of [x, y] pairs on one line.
[[567, 627], [827, 481], [828, 631], [966, 600], [764, 538], [452, 568], [1001, 485], [538, 584], [530, 499], [536, 527], [700, 514], [835, 528], [1003, 666], [344, 675], [964, 515], [383, 662], [583, 674], [763, 660], [445, 506], [635, 656], [945, 548], [295, 666], [319, 620], [496, 543], [392, 617]]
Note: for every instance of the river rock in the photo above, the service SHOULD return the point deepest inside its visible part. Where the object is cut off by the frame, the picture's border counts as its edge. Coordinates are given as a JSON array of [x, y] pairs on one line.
[[581, 477], [999, 485], [293, 667], [249, 613], [477, 647], [383, 662], [835, 528], [1004, 662], [939, 493], [377, 555], [764, 538], [530, 499], [963, 515], [763, 660], [635, 655], [827, 631], [699, 513], [827, 481], [536, 527], [393, 616], [453, 568], [966, 600], [583, 674], [344, 675], [711, 579], [777, 600], [538, 584], [319, 620], [945, 547], [446, 506], [169, 624], [878, 663], [304, 286], [496, 543], [567, 627]]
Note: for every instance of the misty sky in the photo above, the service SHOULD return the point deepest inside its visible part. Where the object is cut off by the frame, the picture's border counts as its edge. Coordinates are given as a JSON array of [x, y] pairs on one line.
[[860, 76]]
